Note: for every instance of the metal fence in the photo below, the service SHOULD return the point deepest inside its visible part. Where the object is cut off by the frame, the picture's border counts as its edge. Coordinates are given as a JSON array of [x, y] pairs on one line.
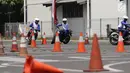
[[98, 26]]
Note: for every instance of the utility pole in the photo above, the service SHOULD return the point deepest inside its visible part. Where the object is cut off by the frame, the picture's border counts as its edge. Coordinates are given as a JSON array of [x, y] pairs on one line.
[[25, 11], [89, 18]]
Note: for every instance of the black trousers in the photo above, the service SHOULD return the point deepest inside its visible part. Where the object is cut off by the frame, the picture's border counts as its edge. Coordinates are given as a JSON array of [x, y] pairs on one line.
[[35, 34]]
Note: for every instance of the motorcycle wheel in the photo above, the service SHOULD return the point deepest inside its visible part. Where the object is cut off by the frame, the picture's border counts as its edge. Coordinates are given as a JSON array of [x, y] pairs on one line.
[[66, 40], [114, 38]]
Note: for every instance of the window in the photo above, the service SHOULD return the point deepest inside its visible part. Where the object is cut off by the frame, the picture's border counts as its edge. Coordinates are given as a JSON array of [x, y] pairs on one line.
[[71, 10]]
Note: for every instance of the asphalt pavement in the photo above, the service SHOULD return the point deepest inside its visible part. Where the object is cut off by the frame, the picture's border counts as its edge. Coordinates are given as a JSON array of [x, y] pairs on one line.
[[69, 60]]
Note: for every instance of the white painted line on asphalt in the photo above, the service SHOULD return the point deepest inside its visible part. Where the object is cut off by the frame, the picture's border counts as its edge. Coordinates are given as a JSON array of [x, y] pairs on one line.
[[17, 65], [87, 58], [84, 58], [22, 60], [71, 70], [49, 55], [5, 64], [113, 64], [2, 66], [73, 54]]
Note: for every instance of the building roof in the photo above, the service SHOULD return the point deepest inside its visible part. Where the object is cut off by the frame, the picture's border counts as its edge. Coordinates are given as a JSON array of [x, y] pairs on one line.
[[48, 3]]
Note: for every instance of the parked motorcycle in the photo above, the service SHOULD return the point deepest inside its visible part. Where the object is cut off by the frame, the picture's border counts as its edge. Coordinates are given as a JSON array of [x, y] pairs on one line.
[[64, 39], [114, 34]]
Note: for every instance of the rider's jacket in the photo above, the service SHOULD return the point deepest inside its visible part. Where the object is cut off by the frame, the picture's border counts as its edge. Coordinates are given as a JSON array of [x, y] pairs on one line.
[[123, 25], [35, 26], [63, 26]]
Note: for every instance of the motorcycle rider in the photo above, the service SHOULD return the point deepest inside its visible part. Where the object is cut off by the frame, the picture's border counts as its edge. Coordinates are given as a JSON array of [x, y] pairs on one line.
[[34, 26], [123, 25], [64, 28]]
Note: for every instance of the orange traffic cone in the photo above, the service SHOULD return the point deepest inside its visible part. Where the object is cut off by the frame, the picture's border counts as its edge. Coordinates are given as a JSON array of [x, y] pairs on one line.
[[120, 46], [57, 46], [27, 64], [23, 46], [33, 42], [86, 39], [95, 64], [33, 66], [14, 44], [44, 39], [1, 47], [81, 45]]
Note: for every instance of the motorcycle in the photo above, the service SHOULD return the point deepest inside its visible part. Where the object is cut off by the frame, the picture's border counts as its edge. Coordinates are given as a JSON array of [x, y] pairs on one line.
[[114, 34], [30, 36], [64, 39]]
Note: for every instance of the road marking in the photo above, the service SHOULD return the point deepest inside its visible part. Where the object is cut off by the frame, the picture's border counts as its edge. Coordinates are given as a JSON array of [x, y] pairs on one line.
[[48, 55], [71, 70], [73, 54], [2, 66], [5, 64], [87, 58], [113, 64], [22, 60]]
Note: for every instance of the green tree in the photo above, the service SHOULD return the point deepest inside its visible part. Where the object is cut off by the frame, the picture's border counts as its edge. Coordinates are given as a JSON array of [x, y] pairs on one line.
[[11, 2]]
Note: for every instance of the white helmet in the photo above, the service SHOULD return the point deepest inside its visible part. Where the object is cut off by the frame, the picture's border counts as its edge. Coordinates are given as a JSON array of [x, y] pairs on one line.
[[36, 19], [64, 19], [125, 17]]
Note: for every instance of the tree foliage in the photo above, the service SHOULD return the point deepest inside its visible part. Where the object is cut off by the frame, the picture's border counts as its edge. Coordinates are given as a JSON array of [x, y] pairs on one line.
[[11, 2]]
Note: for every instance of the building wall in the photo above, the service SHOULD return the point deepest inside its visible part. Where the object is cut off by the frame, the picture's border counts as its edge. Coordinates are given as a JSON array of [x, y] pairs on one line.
[[128, 8], [104, 12], [36, 9], [105, 9], [77, 25]]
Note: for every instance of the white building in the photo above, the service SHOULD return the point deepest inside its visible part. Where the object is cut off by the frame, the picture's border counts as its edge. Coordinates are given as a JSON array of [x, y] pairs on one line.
[[128, 8], [76, 13], [36, 9]]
